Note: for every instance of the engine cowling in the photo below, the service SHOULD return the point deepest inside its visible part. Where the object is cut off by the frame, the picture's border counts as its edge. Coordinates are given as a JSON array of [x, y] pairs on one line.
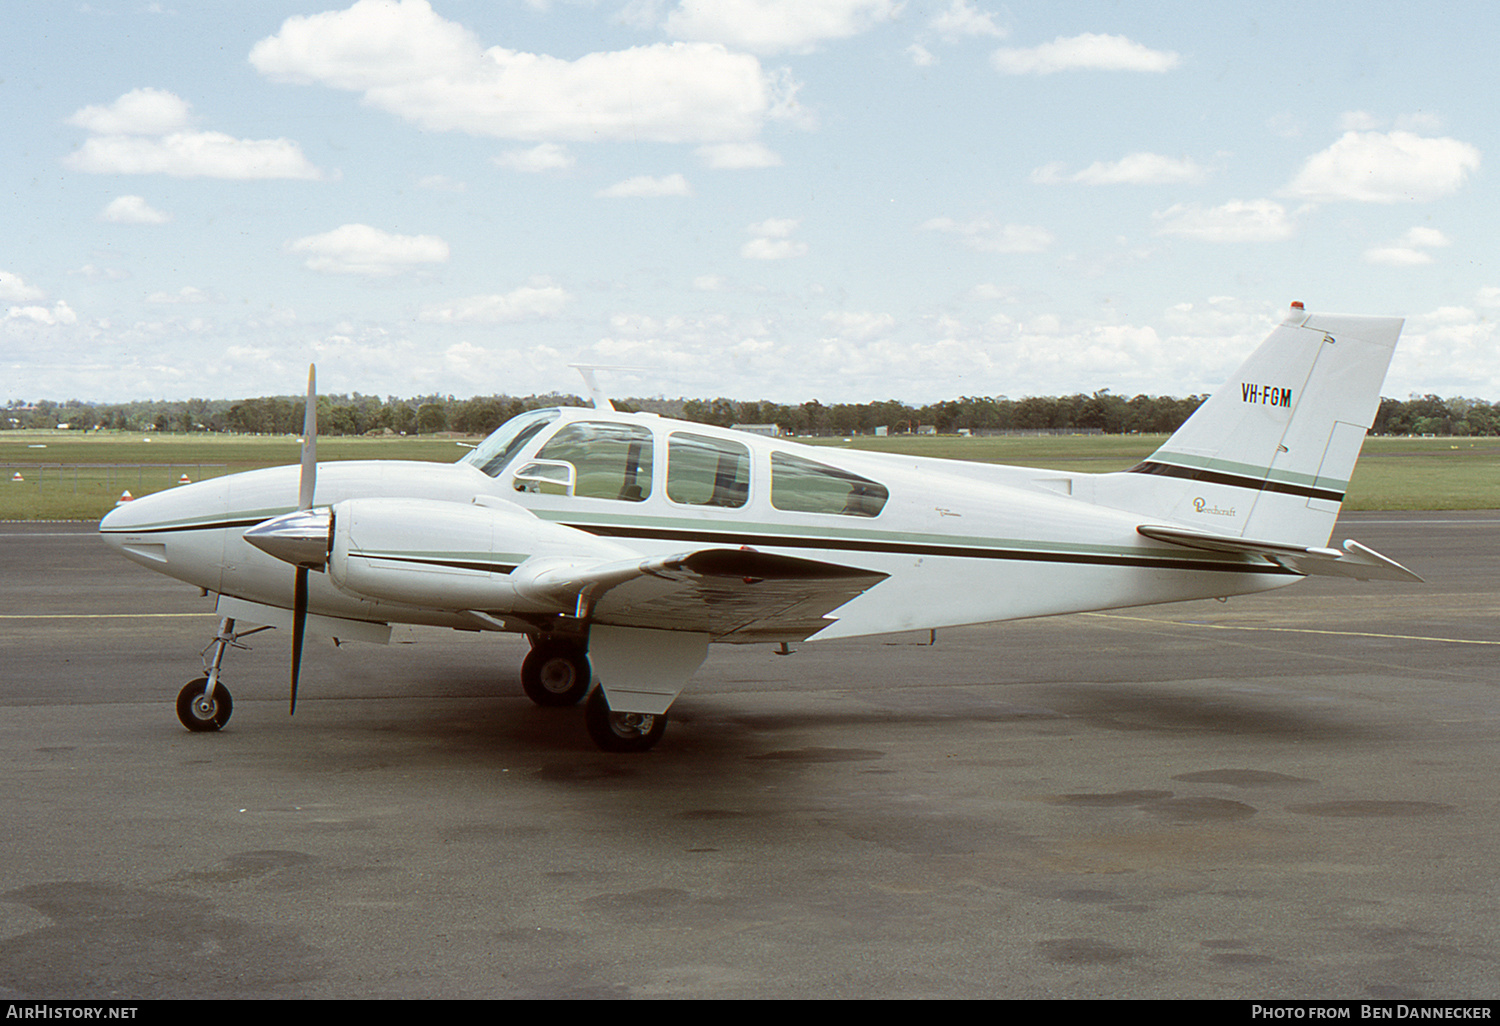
[[453, 556]]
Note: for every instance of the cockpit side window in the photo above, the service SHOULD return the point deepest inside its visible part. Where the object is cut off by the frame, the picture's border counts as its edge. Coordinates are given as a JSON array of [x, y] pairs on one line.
[[704, 471], [806, 486], [612, 461], [496, 451]]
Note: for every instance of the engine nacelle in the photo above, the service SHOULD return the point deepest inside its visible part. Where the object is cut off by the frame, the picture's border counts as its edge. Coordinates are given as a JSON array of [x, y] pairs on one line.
[[446, 555]]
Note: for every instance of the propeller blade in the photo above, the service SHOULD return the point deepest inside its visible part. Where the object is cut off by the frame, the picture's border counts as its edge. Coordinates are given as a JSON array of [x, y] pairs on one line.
[[299, 627], [309, 443]]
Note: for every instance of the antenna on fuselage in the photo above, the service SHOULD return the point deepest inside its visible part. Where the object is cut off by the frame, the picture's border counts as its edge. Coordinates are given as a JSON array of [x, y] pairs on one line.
[[596, 394]]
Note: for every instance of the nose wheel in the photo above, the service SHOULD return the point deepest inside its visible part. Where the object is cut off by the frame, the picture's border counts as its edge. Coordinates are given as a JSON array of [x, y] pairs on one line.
[[200, 711]]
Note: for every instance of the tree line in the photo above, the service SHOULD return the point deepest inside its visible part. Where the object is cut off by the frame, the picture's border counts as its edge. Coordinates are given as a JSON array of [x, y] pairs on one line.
[[362, 414]]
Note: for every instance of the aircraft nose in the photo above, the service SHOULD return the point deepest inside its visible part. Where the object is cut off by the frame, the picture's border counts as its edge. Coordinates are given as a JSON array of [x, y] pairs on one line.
[[177, 532]]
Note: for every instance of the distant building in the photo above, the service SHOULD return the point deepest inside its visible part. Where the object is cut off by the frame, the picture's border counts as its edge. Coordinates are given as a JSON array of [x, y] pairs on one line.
[[770, 430]]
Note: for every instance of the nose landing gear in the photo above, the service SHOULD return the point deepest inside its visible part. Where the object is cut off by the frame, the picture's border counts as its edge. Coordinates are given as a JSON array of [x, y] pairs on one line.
[[204, 704]]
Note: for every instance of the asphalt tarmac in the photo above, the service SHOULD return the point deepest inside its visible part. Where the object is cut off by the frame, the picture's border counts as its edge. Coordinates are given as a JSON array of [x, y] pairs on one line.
[[1291, 795]]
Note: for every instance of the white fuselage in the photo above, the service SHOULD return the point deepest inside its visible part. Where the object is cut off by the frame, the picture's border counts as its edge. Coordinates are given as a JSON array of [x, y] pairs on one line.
[[961, 542]]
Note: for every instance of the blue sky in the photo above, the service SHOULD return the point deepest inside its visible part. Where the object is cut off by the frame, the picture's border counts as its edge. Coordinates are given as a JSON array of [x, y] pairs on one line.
[[846, 200]]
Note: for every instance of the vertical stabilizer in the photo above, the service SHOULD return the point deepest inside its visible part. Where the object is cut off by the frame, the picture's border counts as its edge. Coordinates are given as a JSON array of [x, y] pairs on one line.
[[1269, 455]]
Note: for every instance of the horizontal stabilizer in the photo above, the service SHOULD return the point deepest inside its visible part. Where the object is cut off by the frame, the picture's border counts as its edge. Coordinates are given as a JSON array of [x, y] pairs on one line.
[[731, 594], [1353, 560]]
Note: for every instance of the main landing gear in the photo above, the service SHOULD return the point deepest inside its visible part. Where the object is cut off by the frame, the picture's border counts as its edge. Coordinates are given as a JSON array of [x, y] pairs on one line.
[[621, 732], [557, 673]]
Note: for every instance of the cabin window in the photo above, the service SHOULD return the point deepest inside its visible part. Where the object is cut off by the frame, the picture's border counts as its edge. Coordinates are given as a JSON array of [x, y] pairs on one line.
[[704, 471], [609, 461], [804, 486], [496, 451]]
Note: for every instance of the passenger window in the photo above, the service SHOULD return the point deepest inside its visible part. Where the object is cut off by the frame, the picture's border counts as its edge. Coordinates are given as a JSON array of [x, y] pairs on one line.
[[804, 486], [703, 471], [610, 461]]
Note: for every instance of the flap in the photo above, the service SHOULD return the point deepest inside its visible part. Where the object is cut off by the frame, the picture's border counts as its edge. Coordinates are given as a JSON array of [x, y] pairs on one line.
[[730, 594]]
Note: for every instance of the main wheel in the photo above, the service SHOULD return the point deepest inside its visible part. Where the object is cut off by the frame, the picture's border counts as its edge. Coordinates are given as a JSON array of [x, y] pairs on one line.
[[556, 675], [621, 732], [200, 713]]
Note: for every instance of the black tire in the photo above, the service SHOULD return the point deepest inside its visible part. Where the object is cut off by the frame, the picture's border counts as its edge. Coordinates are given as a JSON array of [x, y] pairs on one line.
[[198, 715], [621, 732], [555, 675]]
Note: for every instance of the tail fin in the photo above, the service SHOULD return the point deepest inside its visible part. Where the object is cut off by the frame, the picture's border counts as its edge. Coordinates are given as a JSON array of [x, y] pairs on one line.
[[1269, 455]]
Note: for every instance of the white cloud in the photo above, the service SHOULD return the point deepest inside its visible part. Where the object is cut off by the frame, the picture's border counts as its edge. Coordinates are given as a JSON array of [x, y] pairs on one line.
[[648, 186], [776, 26], [1391, 167], [138, 112], [775, 227], [963, 18], [186, 294], [1358, 121], [987, 236], [1133, 169], [921, 56], [773, 240], [1235, 221], [860, 325], [132, 210], [544, 157], [192, 155], [773, 249], [58, 313], [738, 155], [407, 60], [145, 132], [14, 290], [95, 273], [1089, 51], [1447, 351], [536, 301], [1410, 250], [361, 249]]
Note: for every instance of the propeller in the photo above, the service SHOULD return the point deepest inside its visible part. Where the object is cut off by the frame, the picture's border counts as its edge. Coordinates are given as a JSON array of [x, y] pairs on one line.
[[300, 538], [307, 483]]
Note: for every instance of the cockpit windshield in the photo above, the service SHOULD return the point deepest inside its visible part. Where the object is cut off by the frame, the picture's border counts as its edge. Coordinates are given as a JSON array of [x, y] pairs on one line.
[[500, 448]]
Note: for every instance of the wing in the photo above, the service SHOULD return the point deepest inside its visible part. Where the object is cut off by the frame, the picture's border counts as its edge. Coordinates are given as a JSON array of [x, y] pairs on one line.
[[729, 594], [1353, 560]]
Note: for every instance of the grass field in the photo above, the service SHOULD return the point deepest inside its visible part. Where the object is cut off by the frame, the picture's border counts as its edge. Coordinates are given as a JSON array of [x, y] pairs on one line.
[[68, 475]]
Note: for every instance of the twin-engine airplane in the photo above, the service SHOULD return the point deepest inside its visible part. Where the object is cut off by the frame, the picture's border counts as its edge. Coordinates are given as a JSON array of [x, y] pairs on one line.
[[622, 544]]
